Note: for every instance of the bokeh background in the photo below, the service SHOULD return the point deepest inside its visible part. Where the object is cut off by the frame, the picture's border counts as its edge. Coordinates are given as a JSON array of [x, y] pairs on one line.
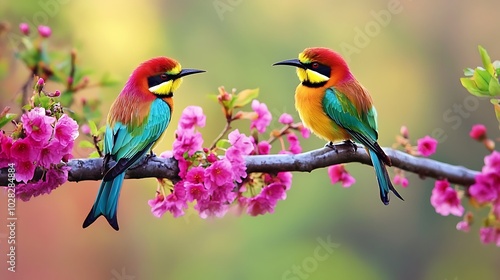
[[411, 64]]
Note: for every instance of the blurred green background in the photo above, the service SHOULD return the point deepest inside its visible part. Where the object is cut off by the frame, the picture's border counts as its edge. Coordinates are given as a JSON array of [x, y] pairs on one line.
[[410, 62]]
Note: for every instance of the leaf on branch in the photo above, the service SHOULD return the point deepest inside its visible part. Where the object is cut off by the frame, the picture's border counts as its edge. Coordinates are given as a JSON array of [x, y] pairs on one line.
[[86, 144], [244, 97], [5, 119], [93, 128]]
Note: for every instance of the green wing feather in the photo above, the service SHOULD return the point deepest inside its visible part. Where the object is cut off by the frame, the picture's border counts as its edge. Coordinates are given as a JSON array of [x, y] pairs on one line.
[[126, 144], [362, 127]]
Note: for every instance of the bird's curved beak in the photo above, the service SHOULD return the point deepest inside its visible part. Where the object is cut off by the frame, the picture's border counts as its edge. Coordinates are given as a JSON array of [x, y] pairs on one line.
[[186, 72], [290, 62]]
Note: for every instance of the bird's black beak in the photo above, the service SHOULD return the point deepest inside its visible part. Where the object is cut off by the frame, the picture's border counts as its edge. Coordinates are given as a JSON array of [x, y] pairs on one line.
[[186, 72], [291, 62]]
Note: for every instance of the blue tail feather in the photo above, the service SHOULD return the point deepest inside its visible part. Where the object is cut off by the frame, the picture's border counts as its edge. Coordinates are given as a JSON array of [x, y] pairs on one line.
[[383, 179], [106, 202]]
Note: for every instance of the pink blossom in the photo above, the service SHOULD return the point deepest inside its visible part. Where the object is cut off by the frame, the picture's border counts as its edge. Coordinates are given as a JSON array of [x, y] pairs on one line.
[[224, 193], [401, 180], [338, 173], [66, 130], [218, 174], [445, 199], [212, 158], [274, 191], [427, 146], [37, 125], [195, 175], [5, 146], [52, 152], [85, 129], [210, 208], [295, 147], [263, 118], [492, 163], [305, 132], [241, 142], [195, 191], [404, 131], [44, 31], [24, 150], [285, 119], [183, 166], [484, 190], [25, 28], [463, 226], [24, 171], [191, 116], [490, 235], [260, 205], [478, 132], [285, 178], [158, 205], [263, 147], [53, 178], [187, 140], [176, 201]]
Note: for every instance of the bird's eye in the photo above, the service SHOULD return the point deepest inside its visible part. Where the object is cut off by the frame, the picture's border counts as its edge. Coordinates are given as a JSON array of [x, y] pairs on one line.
[[164, 76], [315, 65]]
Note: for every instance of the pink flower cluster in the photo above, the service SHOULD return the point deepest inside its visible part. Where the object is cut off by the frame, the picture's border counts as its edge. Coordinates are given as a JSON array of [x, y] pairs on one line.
[[486, 191], [45, 142], [338, 173], [446, 200], [214, 182]]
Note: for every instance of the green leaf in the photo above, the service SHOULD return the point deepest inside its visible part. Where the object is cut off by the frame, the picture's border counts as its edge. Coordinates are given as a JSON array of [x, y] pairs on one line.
[[86, 144], [496, 106], [94, 154], [6, 119], [486, 61], [471, 87], [481, 79], [223, 144], [102, 129], [494, 87], [244, 97], [93, 128]]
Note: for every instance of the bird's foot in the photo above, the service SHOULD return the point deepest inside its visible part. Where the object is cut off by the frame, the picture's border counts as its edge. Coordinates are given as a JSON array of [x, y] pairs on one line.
[[352, 144], [143, 160], [332, 146], [105, 163]]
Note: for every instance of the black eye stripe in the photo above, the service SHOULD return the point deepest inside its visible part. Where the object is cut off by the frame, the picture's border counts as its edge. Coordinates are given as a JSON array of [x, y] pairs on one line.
[[320, 68], [158, 79]]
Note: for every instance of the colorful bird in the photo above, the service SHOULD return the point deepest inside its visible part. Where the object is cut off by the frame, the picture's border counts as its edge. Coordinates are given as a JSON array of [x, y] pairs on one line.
[[136, 120], [336, 107]]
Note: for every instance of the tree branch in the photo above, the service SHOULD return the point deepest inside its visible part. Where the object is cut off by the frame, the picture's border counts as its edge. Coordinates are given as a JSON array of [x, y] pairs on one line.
[[90, 169]]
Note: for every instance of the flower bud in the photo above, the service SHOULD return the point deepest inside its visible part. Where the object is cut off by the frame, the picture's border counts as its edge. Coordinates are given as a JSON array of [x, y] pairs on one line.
[[25, 28], [44, 31]]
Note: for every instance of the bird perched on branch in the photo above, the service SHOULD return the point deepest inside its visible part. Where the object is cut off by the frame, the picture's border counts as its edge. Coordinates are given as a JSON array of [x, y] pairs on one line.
[[336, 107], [136, 120]]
